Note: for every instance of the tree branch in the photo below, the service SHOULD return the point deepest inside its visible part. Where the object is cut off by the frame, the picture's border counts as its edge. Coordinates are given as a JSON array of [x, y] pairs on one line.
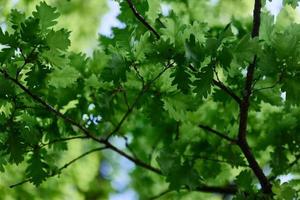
[[228, 190], [231, 189], [106, 143], [142, 19], [63, 167], [63, 140], [227, 90], [221, 135], [220, 85], [297, 158], [49, 107], [144, 89], [149, 27], [244, 108], [80, 127]]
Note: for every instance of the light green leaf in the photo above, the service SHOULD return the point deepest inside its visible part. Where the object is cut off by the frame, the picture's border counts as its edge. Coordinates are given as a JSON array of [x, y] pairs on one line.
[[72, 104], [63, 78], [46, 14]]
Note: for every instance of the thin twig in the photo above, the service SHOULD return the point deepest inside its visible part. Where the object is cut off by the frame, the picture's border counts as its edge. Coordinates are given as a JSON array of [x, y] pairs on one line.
[[64, 140], [80, 127], [139, 74], [163, 193], [26, 60], [63, 167], [142, 19], [126, 99], [214, 160], [268, 87], [207, 128], [227, 90], [297, 158], [135, 102]]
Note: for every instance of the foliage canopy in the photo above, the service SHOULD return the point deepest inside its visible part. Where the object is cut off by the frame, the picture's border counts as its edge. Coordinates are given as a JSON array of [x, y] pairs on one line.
[[211, 106]]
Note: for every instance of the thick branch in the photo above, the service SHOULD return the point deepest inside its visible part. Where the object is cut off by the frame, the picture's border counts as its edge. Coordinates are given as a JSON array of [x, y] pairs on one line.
[[244, 108], [221, 135], [142, 19]]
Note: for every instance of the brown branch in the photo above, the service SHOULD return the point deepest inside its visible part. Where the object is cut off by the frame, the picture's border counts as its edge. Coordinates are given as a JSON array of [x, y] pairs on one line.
[[227, 90], [228, 190], [232, 189], [142, 19], [244, 108], [48, 106], [80, 127], [63, 167], [63, 140], [221, 135], [107, 144]]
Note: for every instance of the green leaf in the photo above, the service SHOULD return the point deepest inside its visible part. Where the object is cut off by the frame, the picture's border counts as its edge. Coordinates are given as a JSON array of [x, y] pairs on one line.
[[55, 57], [15, 147], [246, 49], [116, 70], [183, 175], [142, 47], [37, 168], [267, 27], [181, 79], [292, 89], [58, 39], [16, 18], [178, 175], [5, 108], [3, 162], [62, 78], [30, 31], [244, 180], [293, 3], [72, 104], [46, 15], [92, 82], [203, 82]]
